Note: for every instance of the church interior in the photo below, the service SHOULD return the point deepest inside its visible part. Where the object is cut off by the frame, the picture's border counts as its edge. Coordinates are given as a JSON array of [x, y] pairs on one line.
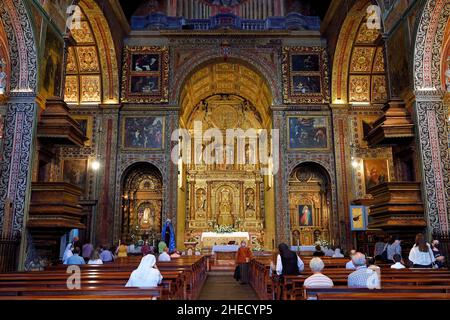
[[206, 123]]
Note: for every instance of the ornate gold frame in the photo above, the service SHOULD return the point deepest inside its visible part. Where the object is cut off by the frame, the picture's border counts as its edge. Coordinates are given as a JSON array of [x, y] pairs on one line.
[[162, 74], [308, 117], [288, 74], [143, 149], [388, 173]]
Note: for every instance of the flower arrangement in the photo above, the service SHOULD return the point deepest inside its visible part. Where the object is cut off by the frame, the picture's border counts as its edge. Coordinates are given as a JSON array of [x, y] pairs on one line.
[[321, 242], [224, 229]]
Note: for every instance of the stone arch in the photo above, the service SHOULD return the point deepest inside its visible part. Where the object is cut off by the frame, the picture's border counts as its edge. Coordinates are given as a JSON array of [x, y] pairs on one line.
[[350, 47], [22, 47], [429, 45], [267, 71], [107, 79]]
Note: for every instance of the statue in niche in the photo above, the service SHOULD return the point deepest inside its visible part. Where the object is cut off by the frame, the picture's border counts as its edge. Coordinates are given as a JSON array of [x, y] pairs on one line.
[[250, 199], [3, 77], [225, 211], [201, 200]]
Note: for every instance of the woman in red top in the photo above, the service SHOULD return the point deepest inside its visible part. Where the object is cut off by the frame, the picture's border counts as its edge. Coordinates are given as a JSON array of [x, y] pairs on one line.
[[243, 256]]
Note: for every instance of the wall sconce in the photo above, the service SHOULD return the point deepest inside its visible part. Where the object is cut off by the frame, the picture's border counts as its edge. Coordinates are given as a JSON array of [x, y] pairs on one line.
[[95, 165]]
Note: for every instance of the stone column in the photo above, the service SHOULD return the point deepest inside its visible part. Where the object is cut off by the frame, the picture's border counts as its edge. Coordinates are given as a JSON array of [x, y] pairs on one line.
[[432, 136], [16, 168]]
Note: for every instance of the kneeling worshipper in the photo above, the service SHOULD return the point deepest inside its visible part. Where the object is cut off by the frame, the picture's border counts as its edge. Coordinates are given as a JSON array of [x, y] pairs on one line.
[[243, 257], [146, 275]]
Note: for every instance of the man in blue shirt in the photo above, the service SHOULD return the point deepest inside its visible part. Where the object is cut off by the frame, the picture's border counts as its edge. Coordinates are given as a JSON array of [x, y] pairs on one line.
[[363, 277], [106, 255], [76, 259]]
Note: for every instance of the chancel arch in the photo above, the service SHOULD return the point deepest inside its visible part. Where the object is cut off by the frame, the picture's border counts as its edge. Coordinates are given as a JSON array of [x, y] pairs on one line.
[[142, 201], [310, 204], [224, 185]]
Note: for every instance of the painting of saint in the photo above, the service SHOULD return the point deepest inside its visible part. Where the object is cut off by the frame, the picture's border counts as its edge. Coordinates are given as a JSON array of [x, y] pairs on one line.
[[75, 171], [305, 212], [145, 85], [308, 132], [375, 172], [305, 62], [306, 84], [145, 62], [52, 73], [143, 132]]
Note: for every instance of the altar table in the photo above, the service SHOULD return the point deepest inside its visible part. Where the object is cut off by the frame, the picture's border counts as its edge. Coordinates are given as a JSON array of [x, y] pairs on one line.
[[210, 239]]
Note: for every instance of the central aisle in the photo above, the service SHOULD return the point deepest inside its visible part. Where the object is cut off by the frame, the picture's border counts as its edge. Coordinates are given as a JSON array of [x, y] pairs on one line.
[[222, 286]]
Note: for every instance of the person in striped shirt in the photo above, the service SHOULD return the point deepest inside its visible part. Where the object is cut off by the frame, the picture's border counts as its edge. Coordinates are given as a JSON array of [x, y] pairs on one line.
[[317, 280]]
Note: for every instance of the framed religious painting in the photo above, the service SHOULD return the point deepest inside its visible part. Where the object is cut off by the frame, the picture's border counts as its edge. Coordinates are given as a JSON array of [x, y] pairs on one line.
[[52, 68], [305, 215], [74, 171], [305, 75], [376, 171], [143, 133], [365, 125], [86, 126], [145, 75], [358, 218], [308, 133]]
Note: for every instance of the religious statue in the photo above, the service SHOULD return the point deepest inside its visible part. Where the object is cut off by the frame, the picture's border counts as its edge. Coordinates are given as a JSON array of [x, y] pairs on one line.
[[3, 77], [250, 199], [201, 200], [225, 217]]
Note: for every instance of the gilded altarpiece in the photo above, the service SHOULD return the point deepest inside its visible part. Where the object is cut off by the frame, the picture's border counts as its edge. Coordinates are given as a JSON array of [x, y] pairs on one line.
[[229, 190]]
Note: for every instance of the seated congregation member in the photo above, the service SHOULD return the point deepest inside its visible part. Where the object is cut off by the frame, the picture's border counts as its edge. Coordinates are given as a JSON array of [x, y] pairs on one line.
[[318, 252], [329, 252], [363, 277], [75, 258], [122, 251], [86, 251], [95, 258], [146, 275], [379, 248], [67, 253], [243, 256], [440, 259], [106, 255], [175, 254], [164, 256], [393, 247], [337, 253], [421, 255], [350, 265], [317, 280], [161, 246], [145, 250], [35, 265], [288, 262], [397, 262]]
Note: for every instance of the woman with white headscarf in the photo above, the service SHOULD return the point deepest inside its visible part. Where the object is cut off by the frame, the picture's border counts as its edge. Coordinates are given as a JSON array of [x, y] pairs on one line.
[[337, 253], [67, 253], [146, 275]]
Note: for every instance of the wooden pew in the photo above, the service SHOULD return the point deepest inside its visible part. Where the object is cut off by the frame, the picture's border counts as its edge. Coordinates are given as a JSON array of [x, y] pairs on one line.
[[383, 296]]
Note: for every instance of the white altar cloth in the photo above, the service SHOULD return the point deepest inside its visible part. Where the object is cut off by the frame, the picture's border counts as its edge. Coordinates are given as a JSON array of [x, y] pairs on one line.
[[228, 248], [303, 248], [227, 235], [210, 239]]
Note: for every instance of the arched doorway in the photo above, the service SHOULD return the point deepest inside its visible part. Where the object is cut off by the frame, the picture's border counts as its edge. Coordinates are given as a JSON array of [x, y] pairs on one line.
[[309, 204], [142, 190], [225, 111]]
